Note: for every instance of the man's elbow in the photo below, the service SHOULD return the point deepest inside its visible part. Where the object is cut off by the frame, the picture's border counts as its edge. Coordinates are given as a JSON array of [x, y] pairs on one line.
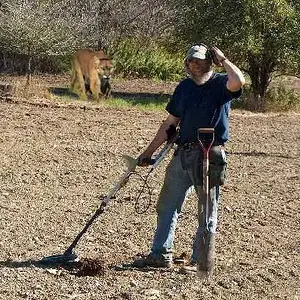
[[237, 84]]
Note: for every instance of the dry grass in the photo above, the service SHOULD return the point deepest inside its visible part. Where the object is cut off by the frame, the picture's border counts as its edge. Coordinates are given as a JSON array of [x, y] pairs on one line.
[[57, 159], [20, 88], [283, 95]]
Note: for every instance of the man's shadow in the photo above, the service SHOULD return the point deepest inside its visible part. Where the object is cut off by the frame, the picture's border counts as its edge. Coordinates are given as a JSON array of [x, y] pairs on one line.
[[30, 263], [49, 262], [70, 267]]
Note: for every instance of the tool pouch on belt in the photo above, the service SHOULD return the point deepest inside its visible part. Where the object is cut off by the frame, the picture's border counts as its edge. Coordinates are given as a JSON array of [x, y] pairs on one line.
[[217, 166]]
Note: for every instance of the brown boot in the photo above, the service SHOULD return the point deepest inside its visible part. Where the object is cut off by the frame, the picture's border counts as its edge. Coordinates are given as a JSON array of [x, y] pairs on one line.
[[156, 261]]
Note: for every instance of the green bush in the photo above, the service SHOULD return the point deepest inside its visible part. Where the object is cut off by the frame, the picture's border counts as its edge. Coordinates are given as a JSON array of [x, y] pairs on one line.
[[282, 98], [135, 59], [278, 98], [54, 64]]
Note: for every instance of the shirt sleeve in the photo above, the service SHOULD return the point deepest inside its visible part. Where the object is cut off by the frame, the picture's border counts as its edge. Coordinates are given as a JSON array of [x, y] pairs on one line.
[[174, 107], [236, 94]]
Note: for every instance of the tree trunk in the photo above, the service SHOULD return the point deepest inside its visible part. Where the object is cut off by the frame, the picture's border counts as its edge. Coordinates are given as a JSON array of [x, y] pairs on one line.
[[260, 70], [29, 69], [4, 61]]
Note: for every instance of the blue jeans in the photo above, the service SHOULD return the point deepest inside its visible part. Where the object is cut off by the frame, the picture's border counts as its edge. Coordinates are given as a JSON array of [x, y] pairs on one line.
[[184, 171]]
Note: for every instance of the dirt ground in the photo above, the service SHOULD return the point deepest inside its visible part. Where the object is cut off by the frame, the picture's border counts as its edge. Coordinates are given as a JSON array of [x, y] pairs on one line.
[[58, 157]]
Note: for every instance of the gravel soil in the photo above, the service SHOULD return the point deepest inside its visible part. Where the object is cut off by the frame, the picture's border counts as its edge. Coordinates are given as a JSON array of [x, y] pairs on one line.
[[57, 159]]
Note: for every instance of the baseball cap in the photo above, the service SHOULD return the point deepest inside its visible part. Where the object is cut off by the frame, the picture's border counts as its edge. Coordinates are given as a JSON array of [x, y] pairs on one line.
[[197, 51]]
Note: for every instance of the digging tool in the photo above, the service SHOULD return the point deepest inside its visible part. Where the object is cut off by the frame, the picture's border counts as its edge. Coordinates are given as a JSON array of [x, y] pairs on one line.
[[69, 256], [206, 137]]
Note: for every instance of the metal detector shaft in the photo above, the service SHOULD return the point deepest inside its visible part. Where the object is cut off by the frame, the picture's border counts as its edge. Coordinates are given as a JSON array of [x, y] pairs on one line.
[[131, 164], [206, 145]]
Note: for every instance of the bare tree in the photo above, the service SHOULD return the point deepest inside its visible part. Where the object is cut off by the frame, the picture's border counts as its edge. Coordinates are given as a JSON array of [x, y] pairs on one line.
[[41, 28], [118, 19]]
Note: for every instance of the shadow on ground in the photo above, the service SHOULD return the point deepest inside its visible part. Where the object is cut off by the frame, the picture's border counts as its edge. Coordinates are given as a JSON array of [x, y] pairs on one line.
[[133, 98], [258, 153], [30, 263], [62, 92]]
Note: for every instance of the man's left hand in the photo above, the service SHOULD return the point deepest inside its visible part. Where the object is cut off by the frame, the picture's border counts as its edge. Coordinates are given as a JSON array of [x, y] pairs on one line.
[[219, 55]]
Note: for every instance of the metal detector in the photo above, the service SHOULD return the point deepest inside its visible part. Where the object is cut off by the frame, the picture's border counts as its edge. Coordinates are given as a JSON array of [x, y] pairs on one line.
[[69, 255]]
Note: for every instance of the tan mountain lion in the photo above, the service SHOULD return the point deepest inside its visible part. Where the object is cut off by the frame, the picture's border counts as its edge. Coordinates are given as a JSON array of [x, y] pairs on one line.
[[91, 72]]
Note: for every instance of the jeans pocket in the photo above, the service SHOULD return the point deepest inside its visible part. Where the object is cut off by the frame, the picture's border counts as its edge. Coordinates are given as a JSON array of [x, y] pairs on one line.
[[217, 173], [217, 167]]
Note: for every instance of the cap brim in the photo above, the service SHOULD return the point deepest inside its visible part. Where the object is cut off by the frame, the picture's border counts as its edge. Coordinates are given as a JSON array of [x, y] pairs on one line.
[[197, 56]]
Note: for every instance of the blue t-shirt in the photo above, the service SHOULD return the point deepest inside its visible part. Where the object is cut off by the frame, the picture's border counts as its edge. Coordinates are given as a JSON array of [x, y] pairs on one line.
[[205, 105]]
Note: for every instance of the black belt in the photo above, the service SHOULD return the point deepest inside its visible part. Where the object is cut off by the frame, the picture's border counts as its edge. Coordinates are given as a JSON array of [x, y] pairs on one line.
[[195, 146]]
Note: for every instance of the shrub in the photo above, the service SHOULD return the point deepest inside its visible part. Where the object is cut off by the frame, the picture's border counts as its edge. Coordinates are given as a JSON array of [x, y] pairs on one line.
[[132, 58], [282, 98], [278, 98]]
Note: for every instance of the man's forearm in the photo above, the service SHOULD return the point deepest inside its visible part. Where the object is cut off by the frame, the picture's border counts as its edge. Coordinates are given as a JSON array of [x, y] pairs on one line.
[[236, 78]]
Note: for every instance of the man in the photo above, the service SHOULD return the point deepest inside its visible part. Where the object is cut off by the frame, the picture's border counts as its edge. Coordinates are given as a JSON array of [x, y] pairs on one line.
[[201, 100]]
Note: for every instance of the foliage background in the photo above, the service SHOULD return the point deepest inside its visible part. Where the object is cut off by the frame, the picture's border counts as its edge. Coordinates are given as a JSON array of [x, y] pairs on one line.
[[150, 39]]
